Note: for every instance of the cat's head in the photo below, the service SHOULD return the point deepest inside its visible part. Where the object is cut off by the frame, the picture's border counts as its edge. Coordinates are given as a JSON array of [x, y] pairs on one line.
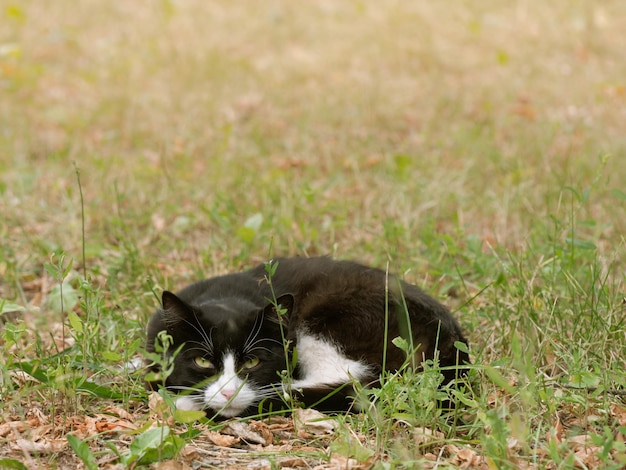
[[231, 351]]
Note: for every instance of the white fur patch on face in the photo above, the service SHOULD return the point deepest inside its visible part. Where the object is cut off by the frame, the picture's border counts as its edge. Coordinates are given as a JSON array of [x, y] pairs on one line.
[[229, 395], [188, 404], [322, 363]]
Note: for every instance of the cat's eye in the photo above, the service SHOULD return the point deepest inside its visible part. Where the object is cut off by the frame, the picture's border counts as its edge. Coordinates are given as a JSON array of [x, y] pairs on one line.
[[203, 362], [251, 363]]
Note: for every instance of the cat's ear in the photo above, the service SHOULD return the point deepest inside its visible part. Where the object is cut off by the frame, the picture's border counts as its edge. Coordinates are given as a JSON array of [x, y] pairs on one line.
[[281, 308], [174, 309]]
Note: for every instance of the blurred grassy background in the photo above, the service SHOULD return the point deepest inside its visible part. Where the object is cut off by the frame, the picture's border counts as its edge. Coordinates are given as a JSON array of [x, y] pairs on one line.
[[329, 118]]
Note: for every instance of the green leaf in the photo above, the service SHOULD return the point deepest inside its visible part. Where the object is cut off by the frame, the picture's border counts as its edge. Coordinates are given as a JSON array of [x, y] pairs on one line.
[[584, 380], [401, 343], [188, 416], [111, 356], [62, 295], [246, 234], [250, 227], [80, 385], [350, 447], [6, 306], [496, 377], [170, 449], [619, 194], [81, 448], [150, 439], [402, 163], [33, 370], [97, 390], [582, 244], [461, 347], [153, 445], [75, 321], [12, 464]]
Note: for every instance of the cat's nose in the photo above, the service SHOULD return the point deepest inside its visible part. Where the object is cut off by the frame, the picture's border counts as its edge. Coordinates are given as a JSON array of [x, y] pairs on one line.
[[228, 393]]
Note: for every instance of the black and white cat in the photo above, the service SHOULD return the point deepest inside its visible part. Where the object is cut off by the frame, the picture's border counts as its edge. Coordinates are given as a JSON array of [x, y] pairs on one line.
[[329, 331]]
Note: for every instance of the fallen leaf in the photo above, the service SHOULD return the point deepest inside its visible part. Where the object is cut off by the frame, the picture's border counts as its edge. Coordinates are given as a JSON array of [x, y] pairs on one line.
[[11, 427], [425, 437], [189, 454], [171, 465], [314, 422], [581, 439], [339, 462], [619, 412], [222, 440], [263, 429], [467, 458], [245, 432], [40, 447], [586, 457], [117, 411], [292, 462], [156, 403]]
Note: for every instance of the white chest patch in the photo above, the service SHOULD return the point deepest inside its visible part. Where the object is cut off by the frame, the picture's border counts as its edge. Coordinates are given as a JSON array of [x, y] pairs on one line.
[[323, 363]]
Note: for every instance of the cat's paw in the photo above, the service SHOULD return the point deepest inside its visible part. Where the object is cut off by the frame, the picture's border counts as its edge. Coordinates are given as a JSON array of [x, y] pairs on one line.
[[187, 404]]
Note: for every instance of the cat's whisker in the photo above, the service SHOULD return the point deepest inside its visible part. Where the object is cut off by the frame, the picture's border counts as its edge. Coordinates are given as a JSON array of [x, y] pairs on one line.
[[201, 331], [254, 333], [259, 348], [254, 346], [185, 388], [202, 347]]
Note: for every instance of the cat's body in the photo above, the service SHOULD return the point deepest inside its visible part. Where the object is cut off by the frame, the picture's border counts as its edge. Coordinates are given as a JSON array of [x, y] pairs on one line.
[[333, 313]]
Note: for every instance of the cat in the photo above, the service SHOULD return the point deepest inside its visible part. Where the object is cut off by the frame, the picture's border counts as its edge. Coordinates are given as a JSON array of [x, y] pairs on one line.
[[320, 319]]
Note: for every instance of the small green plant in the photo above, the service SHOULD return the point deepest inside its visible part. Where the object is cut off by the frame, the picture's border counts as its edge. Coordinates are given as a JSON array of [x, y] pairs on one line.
[[290, 353], [152, 445]]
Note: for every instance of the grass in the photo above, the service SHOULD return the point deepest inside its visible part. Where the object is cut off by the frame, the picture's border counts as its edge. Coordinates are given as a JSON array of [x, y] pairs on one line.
[[477, 149]]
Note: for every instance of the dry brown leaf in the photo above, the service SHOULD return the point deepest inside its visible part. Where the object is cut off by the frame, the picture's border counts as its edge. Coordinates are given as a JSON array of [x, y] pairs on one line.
[[512, 443], [222, 440], [263, 429], [278, 421], [117, 411], [556, 433], [44, 446], [339, 462], [11, 427], [465, 457], [114, 426], [156, 403], [620, 413], [581, 439], [40, 432], [292, 462], [586, 457], [189, 454], [425, 437], [313, 422], [244, 432]]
